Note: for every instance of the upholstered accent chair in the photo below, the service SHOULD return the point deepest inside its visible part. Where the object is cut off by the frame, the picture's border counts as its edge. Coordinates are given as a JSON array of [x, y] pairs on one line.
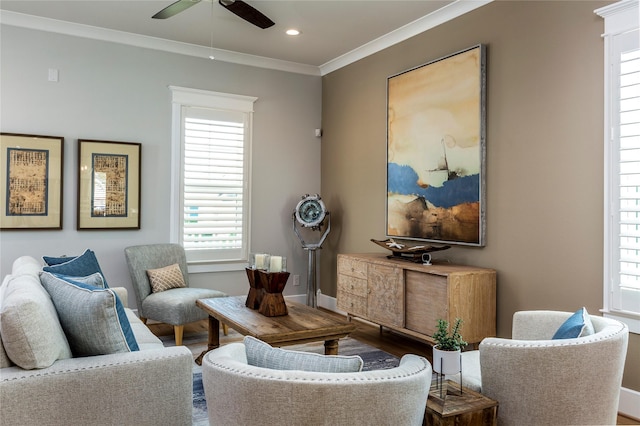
[[175, 306], [541, 381], [241, 394]]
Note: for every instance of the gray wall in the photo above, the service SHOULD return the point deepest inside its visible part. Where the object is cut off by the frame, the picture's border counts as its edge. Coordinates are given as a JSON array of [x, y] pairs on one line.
[[114, 92], [545, 119]]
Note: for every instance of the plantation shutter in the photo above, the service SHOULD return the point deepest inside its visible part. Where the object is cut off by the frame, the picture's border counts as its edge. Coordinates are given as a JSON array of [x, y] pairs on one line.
[[627, 290], [214, 187]]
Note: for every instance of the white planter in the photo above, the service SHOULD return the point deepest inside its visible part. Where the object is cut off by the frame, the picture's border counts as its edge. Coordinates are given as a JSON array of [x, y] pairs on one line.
[[446, 362]]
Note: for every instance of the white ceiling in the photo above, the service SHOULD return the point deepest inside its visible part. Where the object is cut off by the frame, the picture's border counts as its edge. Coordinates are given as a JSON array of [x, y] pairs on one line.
[[330, 30]]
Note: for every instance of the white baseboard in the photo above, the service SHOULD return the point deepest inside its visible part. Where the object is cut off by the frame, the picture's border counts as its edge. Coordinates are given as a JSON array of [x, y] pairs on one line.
[[300, 298], [629, 404], [327, 302]]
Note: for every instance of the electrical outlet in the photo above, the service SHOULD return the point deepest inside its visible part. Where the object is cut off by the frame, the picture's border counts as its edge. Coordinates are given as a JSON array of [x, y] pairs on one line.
[[53, 74], [296, 280]]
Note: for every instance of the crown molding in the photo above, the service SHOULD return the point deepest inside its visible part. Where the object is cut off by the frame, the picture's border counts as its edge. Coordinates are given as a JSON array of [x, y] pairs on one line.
[[420, 25], [147, 42], [447, 13]]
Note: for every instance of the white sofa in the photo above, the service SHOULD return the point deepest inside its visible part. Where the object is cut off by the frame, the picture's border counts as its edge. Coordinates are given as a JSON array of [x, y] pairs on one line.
[[541, 381], [151, 386]]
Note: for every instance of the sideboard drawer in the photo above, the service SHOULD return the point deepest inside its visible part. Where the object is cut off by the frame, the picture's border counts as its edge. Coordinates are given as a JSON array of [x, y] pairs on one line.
[[352, 267], [352, 304], [353, 285]]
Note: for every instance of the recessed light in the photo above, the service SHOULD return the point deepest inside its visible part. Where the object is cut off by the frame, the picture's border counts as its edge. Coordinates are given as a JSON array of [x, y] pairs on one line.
[[293, 32]]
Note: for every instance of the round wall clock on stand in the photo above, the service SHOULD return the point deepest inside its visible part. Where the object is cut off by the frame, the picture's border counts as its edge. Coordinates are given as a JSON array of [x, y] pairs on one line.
[[310, 215]]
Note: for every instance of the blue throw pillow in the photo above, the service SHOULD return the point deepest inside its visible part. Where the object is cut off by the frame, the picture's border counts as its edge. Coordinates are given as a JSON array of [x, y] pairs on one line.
[[577, 325], [93, 319], [80, 266], [51, 260]]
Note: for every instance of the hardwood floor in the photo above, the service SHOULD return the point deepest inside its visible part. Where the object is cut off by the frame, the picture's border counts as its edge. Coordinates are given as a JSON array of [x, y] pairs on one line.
[[391, 342]]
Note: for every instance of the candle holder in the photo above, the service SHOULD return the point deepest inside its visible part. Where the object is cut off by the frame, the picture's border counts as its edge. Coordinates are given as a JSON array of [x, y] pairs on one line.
[[273, 284], [256, 292], [277, 264], [259, 260]]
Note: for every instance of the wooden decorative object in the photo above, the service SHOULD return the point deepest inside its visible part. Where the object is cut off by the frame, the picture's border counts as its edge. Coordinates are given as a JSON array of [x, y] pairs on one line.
[[256, 292], [469, 408], [273, 283], [408, 250]]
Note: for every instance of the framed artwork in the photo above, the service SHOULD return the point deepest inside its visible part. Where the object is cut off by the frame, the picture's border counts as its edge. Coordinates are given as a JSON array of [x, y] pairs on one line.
[[31, 189], [108, 185], [436, 150]]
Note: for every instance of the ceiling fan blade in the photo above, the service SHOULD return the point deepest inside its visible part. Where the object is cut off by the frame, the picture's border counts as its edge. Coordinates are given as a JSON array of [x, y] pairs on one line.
[[247, 12], [175, 8]]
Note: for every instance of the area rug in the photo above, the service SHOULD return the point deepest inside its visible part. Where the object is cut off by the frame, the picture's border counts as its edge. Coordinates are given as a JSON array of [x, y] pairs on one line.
[[374, 359]]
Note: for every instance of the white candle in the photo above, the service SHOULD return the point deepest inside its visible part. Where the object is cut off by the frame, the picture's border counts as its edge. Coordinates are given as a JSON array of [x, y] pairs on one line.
[[260, 261], [276, 264]]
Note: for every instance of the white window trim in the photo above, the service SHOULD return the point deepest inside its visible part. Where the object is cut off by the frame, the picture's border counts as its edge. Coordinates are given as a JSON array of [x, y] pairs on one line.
[[183, 96], [619, 18]]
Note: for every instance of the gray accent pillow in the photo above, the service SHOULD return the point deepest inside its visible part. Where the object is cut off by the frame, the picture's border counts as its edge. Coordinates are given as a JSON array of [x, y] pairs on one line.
[[261, 354], [93, 319], [31, 333], [94, 279]]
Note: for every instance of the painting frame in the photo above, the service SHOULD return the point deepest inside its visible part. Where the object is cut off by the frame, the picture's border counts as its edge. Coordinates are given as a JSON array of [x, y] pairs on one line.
[[109, 185], [436, 150], [31, 194]]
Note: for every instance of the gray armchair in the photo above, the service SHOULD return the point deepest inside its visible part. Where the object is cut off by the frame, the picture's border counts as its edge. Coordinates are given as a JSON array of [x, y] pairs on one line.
[[176, 306], [540, 381], [238, 393]]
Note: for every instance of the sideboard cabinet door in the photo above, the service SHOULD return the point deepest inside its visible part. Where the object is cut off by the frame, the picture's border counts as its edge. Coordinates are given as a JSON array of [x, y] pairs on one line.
[[385, 301]]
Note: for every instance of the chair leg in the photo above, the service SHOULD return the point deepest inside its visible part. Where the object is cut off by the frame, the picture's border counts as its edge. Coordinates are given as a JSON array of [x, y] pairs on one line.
[[225, 329], [178, 331]]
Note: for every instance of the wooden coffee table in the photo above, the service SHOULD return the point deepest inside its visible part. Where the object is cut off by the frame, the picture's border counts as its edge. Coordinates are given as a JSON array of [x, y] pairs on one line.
[[302, 324]]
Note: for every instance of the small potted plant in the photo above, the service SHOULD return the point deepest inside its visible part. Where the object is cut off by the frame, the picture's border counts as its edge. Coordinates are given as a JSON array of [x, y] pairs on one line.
[[446, 351]]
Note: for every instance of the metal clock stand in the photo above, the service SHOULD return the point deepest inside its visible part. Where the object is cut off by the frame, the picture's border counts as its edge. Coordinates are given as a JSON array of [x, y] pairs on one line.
[[310, 213]]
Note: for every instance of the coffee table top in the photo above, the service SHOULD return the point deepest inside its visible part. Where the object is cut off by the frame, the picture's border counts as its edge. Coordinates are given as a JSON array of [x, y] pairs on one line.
[[302, 324]]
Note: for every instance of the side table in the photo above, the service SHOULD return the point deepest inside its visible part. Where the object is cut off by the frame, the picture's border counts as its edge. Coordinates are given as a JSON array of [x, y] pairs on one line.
[[471, 408]]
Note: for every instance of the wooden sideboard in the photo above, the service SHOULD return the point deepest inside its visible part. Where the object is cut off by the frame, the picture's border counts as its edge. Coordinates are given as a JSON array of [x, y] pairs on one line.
[[410, 297]]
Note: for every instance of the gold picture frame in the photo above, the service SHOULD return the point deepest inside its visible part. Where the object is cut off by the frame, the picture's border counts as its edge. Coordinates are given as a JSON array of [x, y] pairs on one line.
[[108, 185], [31, 191]]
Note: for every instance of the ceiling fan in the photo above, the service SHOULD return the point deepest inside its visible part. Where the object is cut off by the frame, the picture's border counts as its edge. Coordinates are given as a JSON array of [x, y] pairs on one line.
[[240, 8]]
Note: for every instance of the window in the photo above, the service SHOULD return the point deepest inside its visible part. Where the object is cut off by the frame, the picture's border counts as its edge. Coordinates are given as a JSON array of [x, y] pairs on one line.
[[210, 178], [622, 163]]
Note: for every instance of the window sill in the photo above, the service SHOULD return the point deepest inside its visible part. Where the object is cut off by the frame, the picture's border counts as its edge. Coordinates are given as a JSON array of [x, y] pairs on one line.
[[203, 268], [632, 320]]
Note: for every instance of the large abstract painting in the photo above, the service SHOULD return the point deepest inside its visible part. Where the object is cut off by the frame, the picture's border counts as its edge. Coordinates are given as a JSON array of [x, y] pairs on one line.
[[436, 150]]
